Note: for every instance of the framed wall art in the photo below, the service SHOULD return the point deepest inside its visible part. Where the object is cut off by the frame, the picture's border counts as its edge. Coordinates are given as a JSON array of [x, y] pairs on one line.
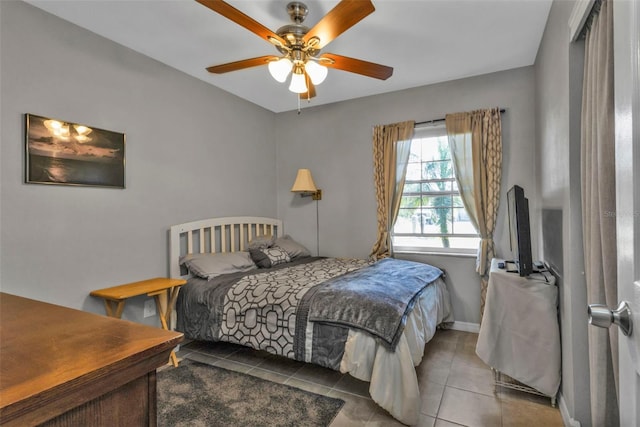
[[65, 153]]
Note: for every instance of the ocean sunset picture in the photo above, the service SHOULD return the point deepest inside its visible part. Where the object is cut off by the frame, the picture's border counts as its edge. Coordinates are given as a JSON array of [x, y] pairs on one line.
[[66, 153]]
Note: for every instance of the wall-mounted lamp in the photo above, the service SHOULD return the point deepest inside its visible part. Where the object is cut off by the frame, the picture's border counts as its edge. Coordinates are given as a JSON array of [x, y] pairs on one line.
[[305, 186]]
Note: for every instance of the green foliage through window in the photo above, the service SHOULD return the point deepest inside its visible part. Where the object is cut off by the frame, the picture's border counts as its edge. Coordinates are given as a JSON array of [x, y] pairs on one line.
[[432, 214]]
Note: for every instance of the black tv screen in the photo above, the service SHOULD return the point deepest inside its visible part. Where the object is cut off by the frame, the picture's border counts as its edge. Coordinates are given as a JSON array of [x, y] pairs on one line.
[[519, 230]]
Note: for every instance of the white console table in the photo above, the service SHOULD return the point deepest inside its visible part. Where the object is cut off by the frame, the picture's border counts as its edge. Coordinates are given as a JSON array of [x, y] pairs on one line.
[[519, 335]]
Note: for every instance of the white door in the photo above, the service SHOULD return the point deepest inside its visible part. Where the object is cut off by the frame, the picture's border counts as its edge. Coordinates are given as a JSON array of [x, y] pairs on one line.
[[626, 23]]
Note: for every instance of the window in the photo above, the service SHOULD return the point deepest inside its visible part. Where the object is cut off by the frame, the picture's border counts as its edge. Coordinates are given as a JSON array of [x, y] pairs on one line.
[[432, 216]]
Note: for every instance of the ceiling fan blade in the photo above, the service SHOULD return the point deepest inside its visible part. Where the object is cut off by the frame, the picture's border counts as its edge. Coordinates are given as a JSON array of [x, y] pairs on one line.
[[230, 12], [357, 66], [311, 91], [240, 65], [345, 15]]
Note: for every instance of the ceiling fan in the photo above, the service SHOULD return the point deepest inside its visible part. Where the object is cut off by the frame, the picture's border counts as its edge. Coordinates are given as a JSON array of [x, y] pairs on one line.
[[300, 46]]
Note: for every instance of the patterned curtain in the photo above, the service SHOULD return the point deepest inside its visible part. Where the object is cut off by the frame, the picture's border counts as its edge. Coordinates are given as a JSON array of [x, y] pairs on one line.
[[598, 201], [391, 147], [475, 140]]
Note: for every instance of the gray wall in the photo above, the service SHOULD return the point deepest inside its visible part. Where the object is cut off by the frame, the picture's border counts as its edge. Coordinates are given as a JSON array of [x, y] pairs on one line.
[[58, 243], [559, 67], [192, 152], [334, 141]]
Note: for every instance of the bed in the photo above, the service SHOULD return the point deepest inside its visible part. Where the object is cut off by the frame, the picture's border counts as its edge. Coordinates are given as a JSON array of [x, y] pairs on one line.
[[250, 284]]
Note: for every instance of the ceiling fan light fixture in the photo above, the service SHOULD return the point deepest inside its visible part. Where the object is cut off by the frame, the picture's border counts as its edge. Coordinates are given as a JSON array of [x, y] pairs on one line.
[[317, 73], [298, 83], [300, 46], [280, 69], [274, 41]]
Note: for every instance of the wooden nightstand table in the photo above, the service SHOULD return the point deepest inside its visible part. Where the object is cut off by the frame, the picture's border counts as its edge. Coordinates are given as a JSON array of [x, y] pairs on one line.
[[165, 292]]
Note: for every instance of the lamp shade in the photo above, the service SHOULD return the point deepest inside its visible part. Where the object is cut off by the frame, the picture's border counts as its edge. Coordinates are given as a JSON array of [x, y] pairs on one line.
[[317, 73], [304, 182], [280, 69], [298, 84]]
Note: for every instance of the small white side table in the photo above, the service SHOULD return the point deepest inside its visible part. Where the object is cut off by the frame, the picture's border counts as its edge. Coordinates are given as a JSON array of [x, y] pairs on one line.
[[519, 335]]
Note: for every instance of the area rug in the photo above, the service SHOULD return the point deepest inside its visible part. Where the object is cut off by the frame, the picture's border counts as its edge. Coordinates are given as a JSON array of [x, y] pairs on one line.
[[197, 394]]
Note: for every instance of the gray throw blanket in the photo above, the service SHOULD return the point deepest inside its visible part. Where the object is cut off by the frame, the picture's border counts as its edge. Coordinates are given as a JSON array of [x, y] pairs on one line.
[[365, 300]]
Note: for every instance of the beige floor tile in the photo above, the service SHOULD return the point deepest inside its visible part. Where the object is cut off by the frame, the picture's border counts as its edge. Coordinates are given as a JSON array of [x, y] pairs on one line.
[[527, 414], [379, 416], [470, 409], [268, 375], [467, 355], [318, 374], [507, 394], [468, 338], [471, 378], [440, 350], [447, 335], [426, 421], [444, 423], [308, 386], [353, 385], [342, 420], [279, 364], [220, 349], [233, 366], [357, 409], [203, 358], [249, 356], [431, 395], [435, 371], [383, 420]]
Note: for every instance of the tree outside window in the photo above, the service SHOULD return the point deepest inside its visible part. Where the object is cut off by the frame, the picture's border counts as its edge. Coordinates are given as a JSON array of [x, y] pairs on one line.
[[431, 214]]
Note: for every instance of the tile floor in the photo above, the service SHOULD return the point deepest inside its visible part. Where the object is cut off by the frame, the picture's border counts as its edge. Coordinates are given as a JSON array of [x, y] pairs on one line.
[[455, 385]]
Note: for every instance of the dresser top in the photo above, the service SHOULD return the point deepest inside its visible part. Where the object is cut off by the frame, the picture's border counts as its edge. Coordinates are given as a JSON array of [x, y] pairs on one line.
[[45, 346]]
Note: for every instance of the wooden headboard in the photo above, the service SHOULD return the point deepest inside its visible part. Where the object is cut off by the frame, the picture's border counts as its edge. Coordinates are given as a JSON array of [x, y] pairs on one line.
[[215, 235]]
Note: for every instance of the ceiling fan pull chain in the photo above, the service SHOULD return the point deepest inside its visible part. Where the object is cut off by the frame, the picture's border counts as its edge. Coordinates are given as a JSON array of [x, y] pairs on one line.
[[298, 103]]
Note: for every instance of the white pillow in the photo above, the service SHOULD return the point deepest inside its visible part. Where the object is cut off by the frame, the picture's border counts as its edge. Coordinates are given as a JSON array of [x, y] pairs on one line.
[[210, 265], [293, 248], [261, 242]]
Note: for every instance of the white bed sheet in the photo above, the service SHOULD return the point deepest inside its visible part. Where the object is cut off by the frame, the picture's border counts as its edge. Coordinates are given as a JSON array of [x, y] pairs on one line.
[[392, 375]]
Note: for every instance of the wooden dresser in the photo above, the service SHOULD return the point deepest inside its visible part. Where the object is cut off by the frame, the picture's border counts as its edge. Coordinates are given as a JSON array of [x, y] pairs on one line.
[[65, 367]]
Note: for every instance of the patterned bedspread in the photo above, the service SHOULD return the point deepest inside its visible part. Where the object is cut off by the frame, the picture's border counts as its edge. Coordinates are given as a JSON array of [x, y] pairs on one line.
[[269, 309]]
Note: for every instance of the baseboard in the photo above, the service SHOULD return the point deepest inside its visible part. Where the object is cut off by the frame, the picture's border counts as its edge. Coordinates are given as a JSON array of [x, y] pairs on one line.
[[466, 327], [566, 417]]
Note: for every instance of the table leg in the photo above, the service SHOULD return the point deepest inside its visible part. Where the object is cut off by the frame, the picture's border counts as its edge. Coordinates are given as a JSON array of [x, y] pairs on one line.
[[163, 312], [173, 296], [114, 308]]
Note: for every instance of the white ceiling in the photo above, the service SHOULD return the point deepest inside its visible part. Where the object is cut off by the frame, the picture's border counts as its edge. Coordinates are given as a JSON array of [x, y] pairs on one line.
[[425, 41]]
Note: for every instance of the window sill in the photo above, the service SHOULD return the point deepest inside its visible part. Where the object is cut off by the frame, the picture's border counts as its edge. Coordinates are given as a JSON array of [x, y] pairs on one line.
[[435, 253]]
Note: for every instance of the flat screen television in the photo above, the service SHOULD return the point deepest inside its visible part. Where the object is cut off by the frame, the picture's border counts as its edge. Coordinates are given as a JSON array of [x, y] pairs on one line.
[[519, 230]]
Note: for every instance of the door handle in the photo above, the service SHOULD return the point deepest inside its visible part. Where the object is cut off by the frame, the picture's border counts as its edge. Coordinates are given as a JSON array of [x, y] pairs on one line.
[[601, 316]]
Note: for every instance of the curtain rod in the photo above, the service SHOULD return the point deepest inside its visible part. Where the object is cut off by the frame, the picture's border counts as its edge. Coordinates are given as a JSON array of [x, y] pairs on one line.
[[430, 122]]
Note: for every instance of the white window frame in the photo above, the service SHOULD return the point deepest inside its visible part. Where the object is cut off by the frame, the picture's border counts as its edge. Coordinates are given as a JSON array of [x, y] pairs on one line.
[[422, 133]]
